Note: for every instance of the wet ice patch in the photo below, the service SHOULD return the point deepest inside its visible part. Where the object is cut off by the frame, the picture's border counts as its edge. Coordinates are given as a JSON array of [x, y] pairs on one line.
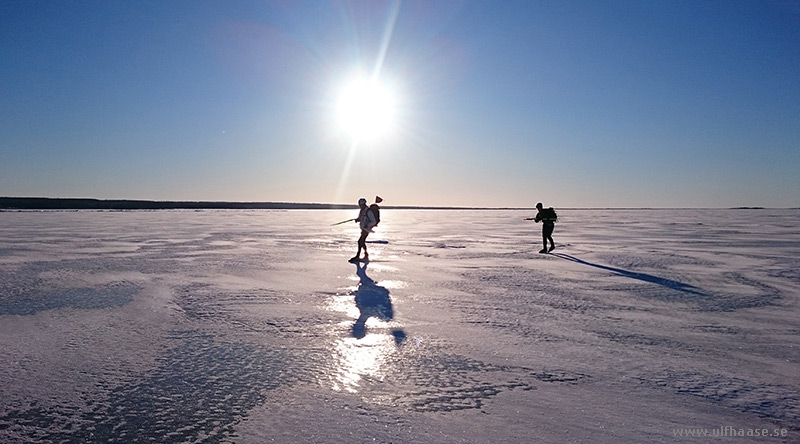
[[776, 403], [201, 388], [430, 378], [32, 301]]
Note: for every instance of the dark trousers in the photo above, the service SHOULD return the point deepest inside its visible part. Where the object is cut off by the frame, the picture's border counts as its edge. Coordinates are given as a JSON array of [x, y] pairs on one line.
[[547, 233]]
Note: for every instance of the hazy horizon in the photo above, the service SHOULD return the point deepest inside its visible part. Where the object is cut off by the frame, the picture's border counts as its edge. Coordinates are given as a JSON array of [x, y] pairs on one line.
[[347, 206]]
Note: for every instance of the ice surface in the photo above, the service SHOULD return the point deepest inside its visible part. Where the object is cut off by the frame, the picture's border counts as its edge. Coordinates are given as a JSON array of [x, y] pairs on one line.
[[252, 327]]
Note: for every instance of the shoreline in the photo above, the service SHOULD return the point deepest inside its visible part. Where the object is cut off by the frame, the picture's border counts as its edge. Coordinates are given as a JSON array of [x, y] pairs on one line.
[[52, 203]]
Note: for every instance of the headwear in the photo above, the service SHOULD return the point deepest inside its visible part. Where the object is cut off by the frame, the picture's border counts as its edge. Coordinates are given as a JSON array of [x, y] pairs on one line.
[[539, 205], [362, 201], [378, 199]]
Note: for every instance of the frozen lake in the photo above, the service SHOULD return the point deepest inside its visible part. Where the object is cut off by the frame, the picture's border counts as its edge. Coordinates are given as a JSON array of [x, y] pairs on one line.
[[252, 327]]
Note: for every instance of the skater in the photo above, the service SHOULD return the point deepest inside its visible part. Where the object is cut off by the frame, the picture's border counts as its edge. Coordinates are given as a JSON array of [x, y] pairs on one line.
[[548, 218], [368, 217]]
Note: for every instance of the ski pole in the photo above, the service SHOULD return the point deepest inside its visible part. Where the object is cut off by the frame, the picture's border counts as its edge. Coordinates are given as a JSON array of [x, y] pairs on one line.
[[342, 222]]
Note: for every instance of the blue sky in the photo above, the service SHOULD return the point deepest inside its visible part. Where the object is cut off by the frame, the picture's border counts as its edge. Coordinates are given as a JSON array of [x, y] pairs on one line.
[[572, 103]]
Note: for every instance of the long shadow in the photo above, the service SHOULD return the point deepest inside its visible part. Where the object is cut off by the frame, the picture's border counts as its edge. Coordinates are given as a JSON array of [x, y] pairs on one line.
[[669, 283], [372, 300]]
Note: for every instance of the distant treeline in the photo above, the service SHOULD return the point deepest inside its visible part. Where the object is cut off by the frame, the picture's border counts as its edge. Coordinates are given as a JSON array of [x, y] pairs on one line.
[[47, 203], [51, 203]]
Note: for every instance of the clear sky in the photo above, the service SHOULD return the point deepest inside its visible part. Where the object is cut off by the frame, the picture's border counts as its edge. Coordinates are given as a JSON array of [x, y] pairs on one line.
[[495, 103]]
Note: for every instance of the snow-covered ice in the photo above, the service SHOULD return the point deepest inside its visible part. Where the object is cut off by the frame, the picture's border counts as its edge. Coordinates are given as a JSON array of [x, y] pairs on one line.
[[252, 327]]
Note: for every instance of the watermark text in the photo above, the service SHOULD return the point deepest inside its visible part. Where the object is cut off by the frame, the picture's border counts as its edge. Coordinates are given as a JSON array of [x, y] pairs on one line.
[[730, 432]]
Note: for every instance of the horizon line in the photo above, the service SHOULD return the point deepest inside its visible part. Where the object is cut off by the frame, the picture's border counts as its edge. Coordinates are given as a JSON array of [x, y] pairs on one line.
[[88, 203]]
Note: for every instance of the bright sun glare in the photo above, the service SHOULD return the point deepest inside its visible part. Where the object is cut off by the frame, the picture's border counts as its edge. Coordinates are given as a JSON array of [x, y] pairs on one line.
[[365, 109]]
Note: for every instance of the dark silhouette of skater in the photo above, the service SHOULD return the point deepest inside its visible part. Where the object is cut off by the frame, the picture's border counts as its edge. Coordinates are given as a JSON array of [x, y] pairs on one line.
[[373, 300], [548, 218], [368, 217]]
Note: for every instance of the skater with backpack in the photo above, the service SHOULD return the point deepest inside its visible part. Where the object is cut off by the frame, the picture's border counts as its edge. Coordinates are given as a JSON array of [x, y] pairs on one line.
[[548, 217], [368, 218]]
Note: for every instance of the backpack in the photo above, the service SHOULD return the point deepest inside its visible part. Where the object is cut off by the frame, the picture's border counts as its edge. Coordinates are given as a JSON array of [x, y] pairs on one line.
[[376, 211], [549, 214]]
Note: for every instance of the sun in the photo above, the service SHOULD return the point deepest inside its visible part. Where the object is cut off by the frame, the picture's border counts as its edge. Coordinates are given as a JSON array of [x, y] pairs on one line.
[[365, 109]]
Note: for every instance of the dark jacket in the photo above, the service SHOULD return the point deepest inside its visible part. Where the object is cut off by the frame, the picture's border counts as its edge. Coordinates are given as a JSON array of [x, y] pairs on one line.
[[546, 215]]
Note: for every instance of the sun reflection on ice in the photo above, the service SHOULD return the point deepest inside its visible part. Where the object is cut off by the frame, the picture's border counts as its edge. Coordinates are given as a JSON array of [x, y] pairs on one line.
[[362, 355], [358, 358]]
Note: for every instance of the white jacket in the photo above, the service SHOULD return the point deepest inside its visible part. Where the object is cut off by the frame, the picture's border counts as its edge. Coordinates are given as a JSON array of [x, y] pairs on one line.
[[367, 219]]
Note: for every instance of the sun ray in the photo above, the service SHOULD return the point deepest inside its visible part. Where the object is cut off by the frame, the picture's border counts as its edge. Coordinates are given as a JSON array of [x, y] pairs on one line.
[[367, 110], [348, 163], [387, 38]]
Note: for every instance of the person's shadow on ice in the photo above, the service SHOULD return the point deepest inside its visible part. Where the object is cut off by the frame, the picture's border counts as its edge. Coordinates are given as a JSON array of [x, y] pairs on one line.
[[372, 300]]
